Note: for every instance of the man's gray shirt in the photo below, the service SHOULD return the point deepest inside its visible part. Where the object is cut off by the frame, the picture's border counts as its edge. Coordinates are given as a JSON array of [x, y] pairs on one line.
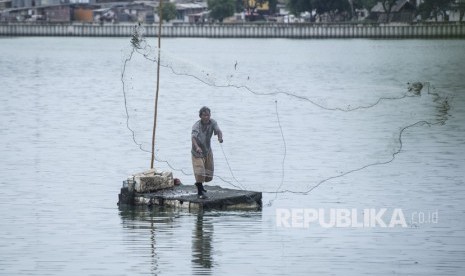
[[203, 134]]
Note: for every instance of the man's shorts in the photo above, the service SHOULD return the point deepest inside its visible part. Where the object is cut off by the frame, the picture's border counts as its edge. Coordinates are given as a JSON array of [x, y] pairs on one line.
[[203, 168]]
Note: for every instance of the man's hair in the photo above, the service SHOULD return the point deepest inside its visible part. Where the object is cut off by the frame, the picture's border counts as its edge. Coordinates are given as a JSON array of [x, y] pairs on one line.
[[204, 109]]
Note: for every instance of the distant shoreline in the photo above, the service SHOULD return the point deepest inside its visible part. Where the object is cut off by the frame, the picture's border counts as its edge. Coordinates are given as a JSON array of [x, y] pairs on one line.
[[243, 30]]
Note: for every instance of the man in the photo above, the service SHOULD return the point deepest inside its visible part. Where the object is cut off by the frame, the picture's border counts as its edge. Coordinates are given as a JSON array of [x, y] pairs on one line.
[[202, 155]]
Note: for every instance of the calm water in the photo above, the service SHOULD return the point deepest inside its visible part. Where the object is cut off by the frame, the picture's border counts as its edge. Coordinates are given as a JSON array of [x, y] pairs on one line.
[[66, 149]]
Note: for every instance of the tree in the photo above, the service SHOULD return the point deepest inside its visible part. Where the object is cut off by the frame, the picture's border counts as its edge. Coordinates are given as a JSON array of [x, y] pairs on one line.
[[461, 7], [323, 6], [272, 4], [434, 8], [388, 5], [364, 4], [168, 11], [298, 6], [220, 9], [332, 7], [240, 5]]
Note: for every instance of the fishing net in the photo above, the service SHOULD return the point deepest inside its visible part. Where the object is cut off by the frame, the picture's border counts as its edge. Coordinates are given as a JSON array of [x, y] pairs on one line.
[[276, 135]]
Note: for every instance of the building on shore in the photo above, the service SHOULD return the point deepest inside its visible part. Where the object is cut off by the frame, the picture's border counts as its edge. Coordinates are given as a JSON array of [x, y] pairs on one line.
[[97, 11], [401, 11], [196, 11]]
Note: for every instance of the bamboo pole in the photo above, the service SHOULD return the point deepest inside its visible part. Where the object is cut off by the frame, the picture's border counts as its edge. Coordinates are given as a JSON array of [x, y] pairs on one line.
[[160, 7]]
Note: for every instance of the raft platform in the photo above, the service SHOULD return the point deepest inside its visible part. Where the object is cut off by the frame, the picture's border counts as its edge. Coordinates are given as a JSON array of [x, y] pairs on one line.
[[185, 196]]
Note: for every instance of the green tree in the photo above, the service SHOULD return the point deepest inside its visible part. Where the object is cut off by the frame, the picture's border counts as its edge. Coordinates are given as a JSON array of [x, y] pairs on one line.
[[388, 5], [272, 4], [332, 7], [298, 6], [323, 6], [240, 5], [434, 8], [364, 4], [168, 11], [461, 7], [220, 9]]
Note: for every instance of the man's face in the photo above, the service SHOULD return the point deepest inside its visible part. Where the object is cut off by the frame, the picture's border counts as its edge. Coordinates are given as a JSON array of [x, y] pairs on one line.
[[205, 117]]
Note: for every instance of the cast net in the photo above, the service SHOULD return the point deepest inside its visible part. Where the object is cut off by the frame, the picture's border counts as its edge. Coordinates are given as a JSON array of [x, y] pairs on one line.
[[280, 136]]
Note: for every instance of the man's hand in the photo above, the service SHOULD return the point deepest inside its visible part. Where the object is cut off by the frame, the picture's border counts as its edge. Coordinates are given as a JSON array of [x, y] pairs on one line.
[[220, 139], [198, 150]]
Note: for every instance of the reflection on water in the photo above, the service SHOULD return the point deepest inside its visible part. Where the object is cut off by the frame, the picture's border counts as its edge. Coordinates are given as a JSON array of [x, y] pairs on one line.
[[202, 241], [142, 218], [157, 233]]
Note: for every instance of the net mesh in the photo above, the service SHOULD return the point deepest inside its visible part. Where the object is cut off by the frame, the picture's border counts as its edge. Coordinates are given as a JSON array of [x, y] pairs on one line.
[[283, 127]]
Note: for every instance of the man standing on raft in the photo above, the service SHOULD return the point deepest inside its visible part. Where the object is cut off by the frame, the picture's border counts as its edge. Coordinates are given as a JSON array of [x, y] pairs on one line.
[[202, 155]]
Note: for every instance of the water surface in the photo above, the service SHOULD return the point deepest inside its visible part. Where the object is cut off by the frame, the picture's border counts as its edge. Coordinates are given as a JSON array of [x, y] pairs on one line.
[[66, 150]]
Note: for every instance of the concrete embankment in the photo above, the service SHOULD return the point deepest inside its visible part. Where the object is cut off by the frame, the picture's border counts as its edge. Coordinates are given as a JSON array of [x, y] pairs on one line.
[[450, 30]]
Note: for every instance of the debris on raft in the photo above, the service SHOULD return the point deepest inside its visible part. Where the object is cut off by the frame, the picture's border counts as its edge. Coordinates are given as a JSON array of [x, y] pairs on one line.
[[160, 188]]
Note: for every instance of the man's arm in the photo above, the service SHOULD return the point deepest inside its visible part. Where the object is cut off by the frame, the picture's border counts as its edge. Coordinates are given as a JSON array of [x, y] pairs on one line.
[[218, 132], [196, 146], [220, 136]]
